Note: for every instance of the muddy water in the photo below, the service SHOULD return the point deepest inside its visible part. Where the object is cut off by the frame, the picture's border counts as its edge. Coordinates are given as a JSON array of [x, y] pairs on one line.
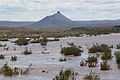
[[50, 62]]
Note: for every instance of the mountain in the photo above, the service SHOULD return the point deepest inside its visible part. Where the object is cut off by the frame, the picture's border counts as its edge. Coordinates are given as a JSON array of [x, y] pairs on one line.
[[55, 20], [58, 20], [14, 23], [96, 23]]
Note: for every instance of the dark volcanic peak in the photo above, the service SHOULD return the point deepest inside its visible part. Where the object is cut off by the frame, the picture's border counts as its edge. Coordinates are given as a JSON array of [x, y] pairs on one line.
[[57, 16], [55, 20]]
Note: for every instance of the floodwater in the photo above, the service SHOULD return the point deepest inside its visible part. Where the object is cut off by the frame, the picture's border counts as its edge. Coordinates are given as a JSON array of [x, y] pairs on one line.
[[50, 62]]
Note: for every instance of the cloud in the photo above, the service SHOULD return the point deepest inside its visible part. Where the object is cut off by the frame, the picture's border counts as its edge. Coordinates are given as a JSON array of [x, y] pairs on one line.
[[74, 9], [7, 1]]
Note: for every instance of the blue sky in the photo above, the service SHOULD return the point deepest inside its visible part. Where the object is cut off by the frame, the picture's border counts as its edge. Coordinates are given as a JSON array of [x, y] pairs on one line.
[[33, 10]]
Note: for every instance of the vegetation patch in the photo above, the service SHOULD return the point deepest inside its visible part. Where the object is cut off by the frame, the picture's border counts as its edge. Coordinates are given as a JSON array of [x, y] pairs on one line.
[[71, 51], [92, 61], [13, 58], [99, 48], [62, 59], [44, 41], [27, 52], [63, 75], [8, 71], [104, 66], [4, 39], [22, 41], [118, 46], [92, 76], [117, 55], [2, 56]]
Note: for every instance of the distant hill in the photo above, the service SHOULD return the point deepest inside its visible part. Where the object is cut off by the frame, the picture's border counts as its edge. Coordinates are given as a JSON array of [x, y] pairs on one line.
[[55, 20], [96, 23], [58, 20], [14, 23]]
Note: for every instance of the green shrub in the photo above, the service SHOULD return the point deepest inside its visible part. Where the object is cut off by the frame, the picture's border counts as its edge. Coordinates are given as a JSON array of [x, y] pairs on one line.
[[71, 44], [56, 39], [62, 59], [44, 41], [92, 76], [117, 55], [104, 66], [71, 51], [35, 41], [3, 39], [92, 61], [118, 46], [106, 56], [15, 71], [26, 52], [22, 41], [2, 56], [7, 70], [13, 58], [63, 75], [99, 48], [94, 49], [1, 45]]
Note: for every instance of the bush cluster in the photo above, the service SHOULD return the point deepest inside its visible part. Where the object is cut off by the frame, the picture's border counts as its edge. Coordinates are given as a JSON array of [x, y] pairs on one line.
[[71, 51], [22, 41], [92, 61], [63, 75], [117, 55], [104, 66], [99, 48]]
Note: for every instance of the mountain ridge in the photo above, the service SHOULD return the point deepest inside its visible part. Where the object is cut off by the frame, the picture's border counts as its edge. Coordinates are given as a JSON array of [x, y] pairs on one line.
[[59, 20], [54, 20]]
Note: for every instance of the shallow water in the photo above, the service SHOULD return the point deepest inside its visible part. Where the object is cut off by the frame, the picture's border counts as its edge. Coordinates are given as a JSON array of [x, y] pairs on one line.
[[51, 61]]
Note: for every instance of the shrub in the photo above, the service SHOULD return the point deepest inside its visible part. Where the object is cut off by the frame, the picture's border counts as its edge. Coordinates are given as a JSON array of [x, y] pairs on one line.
[[62, 59], [63, 75], [3, 39], [15, 71], [118, 46], [92, 76], [26, 52], [56, 39], [71, 51], [117, 55], [99, 48], [92, 61], [22, 41], [7, 70], [94, 49], [104, 66], [106, 56], [1, 45], [71, 44], [111, 46], [13, 58], [82, 63], [44, 41], [35, 41], [2, 56]]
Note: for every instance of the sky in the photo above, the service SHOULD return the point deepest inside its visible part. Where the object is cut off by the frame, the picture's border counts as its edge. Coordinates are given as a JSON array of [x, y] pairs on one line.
[[33, 10]]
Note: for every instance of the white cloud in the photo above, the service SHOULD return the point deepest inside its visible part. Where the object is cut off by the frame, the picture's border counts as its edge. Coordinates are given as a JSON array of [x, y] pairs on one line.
[[7, 1], [75, 9]]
